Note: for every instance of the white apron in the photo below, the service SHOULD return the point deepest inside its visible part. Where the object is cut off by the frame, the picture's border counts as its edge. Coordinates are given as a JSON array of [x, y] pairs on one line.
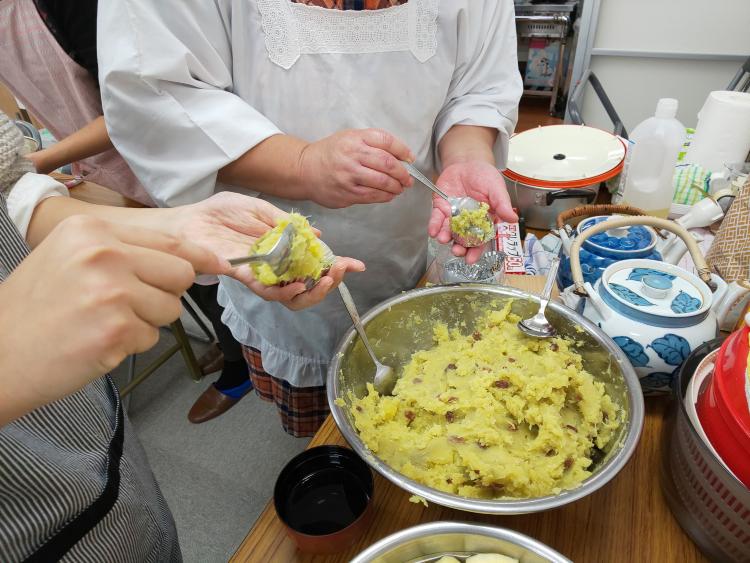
[[390, 238], [415, 70]]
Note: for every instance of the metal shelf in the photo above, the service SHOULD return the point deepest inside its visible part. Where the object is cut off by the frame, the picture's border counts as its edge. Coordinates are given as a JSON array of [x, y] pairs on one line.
[[553, 26]]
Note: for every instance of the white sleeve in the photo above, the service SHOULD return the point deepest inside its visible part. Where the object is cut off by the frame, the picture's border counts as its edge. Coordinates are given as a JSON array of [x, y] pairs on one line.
[[166, 79], [26, 194], [486, 85]]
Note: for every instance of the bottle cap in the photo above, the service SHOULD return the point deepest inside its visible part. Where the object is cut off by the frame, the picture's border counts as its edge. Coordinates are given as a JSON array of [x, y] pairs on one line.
[[667, 107]]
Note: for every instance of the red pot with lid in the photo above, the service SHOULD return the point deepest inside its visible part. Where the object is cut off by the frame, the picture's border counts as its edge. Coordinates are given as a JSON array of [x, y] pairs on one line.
[[724, 404], [559, 167]]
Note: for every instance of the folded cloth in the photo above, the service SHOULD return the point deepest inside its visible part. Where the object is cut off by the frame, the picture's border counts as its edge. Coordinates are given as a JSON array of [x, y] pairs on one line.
[[531, 246], [705, 238], [538, 254], [690, 184]]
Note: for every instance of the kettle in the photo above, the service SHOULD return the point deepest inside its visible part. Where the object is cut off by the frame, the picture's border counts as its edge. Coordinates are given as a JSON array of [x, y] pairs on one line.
[[656, 312]]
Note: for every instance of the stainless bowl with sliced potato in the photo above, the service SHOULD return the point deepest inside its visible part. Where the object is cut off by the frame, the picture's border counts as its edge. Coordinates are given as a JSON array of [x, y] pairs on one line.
[[458, 541]]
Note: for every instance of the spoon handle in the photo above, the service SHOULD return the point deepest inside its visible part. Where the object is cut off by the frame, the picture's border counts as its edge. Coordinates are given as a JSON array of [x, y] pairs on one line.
[[551, 277], [417, 175], [352, 308], [247, 259]]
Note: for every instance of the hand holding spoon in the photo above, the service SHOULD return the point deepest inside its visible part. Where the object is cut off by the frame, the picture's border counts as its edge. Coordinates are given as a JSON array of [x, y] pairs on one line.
[[476, 236]]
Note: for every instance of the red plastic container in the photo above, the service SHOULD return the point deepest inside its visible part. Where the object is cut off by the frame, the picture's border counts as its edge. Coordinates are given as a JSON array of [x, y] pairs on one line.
[[723, 405]]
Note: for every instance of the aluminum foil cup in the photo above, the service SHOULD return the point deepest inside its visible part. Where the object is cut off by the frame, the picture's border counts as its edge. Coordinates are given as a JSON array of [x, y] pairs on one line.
[[489, 269]]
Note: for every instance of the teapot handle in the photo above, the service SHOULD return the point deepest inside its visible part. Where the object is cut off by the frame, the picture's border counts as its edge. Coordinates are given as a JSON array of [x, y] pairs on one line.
[[575, 260], [591, 210]]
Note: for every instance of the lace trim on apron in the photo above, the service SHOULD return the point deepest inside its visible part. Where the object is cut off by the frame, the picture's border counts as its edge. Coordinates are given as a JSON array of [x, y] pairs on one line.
[[293, 29]]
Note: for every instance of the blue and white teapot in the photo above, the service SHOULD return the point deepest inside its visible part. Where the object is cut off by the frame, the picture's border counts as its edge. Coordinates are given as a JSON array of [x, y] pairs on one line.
[[656, 312]]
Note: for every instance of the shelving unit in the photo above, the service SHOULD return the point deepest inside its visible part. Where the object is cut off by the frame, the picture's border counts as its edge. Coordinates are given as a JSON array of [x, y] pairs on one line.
[[547, 21]]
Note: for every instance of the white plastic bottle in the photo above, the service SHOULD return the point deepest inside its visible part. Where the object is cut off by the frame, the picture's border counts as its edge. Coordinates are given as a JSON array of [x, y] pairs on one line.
[[655, 145]]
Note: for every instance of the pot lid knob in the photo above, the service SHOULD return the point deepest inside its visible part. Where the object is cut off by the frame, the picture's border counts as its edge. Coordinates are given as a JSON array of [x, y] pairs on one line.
[[657, 287]]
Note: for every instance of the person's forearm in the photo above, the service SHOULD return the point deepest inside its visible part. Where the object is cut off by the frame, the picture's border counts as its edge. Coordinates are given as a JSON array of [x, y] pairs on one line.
[[16, 393], [463, 143], [271, 167], [51, 211], [88, 141]]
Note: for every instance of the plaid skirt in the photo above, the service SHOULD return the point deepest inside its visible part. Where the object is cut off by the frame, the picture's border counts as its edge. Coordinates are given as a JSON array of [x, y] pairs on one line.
[[302, 409]]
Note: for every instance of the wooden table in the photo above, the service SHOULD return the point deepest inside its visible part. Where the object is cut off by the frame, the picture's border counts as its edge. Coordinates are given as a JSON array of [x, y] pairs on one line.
[[627, 520]]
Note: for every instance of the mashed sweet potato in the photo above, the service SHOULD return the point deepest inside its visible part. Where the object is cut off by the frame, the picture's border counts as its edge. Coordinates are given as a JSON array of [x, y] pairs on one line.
[[491, 414], [473, 225], [308, 260]]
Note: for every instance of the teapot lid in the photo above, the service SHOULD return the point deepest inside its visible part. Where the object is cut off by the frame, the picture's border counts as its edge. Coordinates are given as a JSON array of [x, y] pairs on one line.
[[655, 293]]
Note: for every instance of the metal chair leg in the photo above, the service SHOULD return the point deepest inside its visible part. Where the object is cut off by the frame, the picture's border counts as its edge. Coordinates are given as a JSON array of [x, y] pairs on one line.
[[151, 368], [131, 375], [182, 345], [196, 317], [187, 351]]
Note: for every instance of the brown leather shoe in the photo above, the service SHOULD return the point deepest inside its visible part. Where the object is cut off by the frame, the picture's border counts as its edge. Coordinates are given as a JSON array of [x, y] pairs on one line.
[[212, 361], [210, 404]]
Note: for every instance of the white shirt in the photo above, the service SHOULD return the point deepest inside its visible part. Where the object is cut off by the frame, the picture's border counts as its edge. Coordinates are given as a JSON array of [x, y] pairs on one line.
[[189, 86]]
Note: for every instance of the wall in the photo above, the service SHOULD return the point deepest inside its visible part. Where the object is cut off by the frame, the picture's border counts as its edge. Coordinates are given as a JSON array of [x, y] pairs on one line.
[[676, 48]]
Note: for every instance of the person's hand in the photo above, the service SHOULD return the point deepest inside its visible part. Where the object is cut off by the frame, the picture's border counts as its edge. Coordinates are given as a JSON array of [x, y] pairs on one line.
[[479, 180], [296, 297], [228, 224], [355, 166], [88, 296], [38, 159]]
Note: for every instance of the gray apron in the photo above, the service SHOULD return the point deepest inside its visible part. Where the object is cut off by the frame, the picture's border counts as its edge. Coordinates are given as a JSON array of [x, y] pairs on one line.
[[390, 238]]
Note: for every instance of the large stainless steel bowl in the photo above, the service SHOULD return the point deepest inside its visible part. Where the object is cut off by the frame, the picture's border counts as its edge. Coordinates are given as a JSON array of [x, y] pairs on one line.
[[428, 541], [402, 325]]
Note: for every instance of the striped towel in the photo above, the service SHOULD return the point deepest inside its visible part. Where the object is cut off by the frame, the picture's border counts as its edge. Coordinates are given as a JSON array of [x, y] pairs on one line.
[[689, 133], [690, 184]]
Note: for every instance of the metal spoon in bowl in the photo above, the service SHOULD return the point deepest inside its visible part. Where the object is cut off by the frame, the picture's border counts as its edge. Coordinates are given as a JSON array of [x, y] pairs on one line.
[[458, 204], [279, 257], [538, 326], [385, 376]]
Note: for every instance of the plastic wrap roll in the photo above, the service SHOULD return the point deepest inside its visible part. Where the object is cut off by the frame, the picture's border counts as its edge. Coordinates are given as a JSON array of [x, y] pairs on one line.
[[722, 135]]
